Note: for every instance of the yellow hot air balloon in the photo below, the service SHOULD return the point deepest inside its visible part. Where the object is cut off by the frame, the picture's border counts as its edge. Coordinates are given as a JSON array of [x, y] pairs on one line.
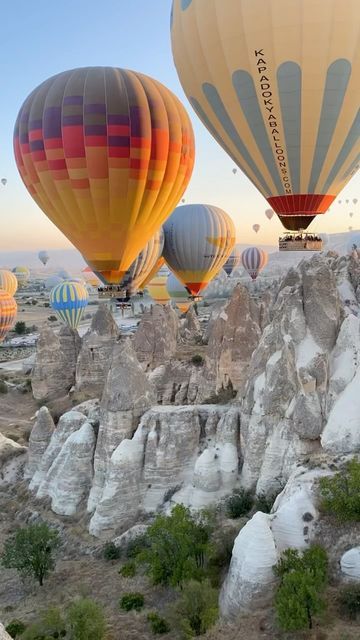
[[107, 154], [157, 287], [278, 85], [22, 275], [8, 282], [159, 263], [8, 310]]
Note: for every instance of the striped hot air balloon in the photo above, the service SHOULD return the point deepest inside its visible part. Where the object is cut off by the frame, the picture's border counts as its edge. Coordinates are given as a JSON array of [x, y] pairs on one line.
[[107, 154], [8, 282], [158, 265], [8, 311], [254, 260], [198, 240], [157, 287], [69, 300], [233, 261], [22, 275], [277, 84], [178, 293]]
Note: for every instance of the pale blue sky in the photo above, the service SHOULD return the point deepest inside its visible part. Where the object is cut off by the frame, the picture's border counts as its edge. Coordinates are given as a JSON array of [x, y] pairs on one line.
[[43, 37]]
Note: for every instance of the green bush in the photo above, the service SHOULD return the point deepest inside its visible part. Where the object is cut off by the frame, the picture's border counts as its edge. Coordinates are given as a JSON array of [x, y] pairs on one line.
[[340, 494], [128, 570], [111, 551], [265, 502], [31, 551], [350, 601], [52, 318], [137, 546], [220, 556], [239, 504], [158, 625], [3, 387], [132, 601], [51, 625], [178, 547], [197, 360], [20, 328], [15, 628], [197, 608], [85, 620], [303, 579]]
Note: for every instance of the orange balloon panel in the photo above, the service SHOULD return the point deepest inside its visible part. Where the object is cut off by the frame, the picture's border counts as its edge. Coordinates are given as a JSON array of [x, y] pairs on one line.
[[8, 311], [107, 154]]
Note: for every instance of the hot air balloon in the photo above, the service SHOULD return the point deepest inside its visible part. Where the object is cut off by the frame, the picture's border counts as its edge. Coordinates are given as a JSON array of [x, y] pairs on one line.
[[8, 282], [52, 282], [347, 201], [44, 257], [8, 310], [256, 228], [234, 171], [4, 181], [233, 261], [350, 228], [269, 213], [22, 275], [280, 101], [355, 201], [178, 293], [107, 154], [254, 260], [65, 275], [157, 288], [351, 214], [143, 265], [340, 201], [90, 277], [198, 240], [69, 300]]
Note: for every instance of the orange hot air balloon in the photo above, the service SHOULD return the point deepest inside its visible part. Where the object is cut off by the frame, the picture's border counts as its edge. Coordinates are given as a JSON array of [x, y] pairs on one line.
[[277, 84], [8, 281], [160, 263], [107, 154], [8, 311], [157, 287]]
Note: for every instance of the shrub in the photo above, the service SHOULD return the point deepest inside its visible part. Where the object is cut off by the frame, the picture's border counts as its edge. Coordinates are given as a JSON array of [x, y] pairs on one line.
[[132, 601], [178, 547], [197, 360], [20, 328], [222, 396], [220, 556], [239, 504], [52, 318], [128, 570], [3, 387], [265, 502], [340, 494], [85, 620], [111, 551], [300, 594], [197, 609], [158, 625], [15, 628], [350, 601], [137, 546], [31, 551]]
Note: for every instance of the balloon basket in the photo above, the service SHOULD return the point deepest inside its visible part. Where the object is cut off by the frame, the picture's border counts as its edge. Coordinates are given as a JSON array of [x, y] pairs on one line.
[[111, 292], [299, 241]]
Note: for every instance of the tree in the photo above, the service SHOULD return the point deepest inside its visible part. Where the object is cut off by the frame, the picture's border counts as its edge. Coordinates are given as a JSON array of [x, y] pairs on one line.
[[197, 609], [20, 328], [31, 551], [340, 493], [178, 547], [85, 620], [303, 579]]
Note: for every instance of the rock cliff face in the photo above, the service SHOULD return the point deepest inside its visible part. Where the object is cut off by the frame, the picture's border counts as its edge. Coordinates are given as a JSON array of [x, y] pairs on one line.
[[95, 354], [181, 383], [3, 634], [39, 440], [53, 374], [12, 459], [155, 340]]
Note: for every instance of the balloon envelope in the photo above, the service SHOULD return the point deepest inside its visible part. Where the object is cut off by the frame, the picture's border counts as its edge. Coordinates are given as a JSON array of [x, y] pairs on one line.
[[52, 281], [8, 282], [198, 240], [22, 275], [69, 300], [281, 102], [256, 228], [3, 181], [8, 310], [254, 260], [233, 261], [157, 289], [44, 257], [107, 154], [178, 293], [269, 213]]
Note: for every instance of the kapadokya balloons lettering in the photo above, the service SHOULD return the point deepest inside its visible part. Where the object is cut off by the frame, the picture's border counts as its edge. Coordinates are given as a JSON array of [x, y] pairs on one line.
[[22, 275], [198, 240], [8, 282], [269, 213], [178, 293], [44, 257], [8, 311], [277, 85], [69, 300], [233, 261], [254, 260], [256, 228], [107, 154], [157, 288]]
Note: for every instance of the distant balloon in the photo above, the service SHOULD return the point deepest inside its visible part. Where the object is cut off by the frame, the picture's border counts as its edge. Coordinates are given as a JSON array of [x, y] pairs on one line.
[[256, 228], [234, 171], [157, 288], [69, 300], [65, 275], [8, 310], [254, 260], [8, 282], [183, 200], [350, 228], [44, 257], [198, 240], [355, 201], [233, 261], [347, 201], [22, 275], [339, 201], [178, 293], [269, 213], [52, 281], [4, 181], [351, 214]]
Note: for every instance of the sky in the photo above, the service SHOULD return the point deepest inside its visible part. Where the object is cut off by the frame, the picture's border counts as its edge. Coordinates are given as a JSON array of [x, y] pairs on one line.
[[43, 37]]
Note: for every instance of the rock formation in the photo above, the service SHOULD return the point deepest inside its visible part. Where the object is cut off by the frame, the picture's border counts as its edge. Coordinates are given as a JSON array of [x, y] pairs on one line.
[[155, 340], [12, 459], [350, 564], [181, 382], [190, 328], [53, 374], [39, 440], [3, 634], [95, 354]]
